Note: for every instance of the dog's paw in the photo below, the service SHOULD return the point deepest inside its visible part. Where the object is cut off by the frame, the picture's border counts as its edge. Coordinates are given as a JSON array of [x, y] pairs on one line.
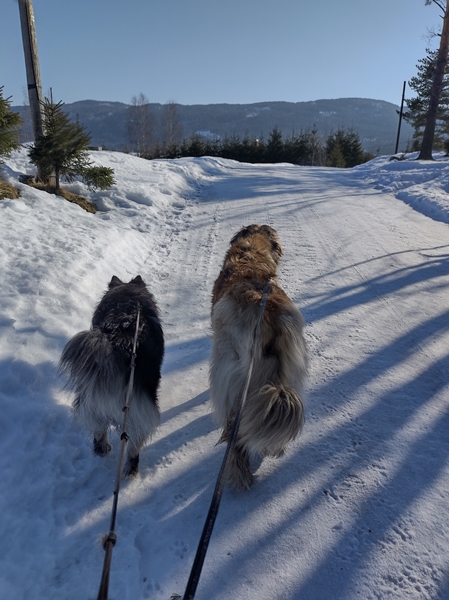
[[102, 447], [131, 467]]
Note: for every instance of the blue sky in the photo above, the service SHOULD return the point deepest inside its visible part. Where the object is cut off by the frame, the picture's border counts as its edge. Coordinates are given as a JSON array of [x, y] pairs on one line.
[[206, 51]]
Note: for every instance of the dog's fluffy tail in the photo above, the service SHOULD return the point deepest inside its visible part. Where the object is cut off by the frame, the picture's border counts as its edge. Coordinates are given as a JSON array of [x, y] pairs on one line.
[[272, 417], [91, 364]]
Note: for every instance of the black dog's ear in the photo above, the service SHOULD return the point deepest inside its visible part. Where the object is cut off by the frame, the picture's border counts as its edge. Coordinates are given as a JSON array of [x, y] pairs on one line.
[[138, 281], [115, 281]]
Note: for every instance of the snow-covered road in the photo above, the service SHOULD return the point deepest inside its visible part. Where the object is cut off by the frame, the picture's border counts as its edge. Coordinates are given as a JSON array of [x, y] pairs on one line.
[[359, 505]]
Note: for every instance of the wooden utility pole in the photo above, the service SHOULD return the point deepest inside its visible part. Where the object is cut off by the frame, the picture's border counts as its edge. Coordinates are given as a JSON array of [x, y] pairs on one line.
[[32, 66], [437, 86], [400, 118]]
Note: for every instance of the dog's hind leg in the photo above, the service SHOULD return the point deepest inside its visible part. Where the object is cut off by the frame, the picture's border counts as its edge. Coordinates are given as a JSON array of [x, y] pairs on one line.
[[143, 420], [101, 443], [131, 467], [135, 442], [239, 474]]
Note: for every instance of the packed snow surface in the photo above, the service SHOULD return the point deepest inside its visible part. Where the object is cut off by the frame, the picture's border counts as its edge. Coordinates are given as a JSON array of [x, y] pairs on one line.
[[358, 508]]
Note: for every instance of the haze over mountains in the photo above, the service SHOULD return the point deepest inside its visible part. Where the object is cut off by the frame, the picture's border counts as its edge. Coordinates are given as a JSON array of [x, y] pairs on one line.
[[376, 121]]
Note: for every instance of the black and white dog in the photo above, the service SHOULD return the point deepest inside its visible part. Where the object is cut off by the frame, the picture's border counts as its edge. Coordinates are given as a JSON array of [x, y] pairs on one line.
[[98, 364]]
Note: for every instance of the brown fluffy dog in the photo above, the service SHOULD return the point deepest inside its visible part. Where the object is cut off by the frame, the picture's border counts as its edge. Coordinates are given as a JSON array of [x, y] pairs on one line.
[[273, 413]]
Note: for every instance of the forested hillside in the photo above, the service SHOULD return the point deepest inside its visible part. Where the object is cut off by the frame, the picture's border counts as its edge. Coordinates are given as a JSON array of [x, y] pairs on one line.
[[375, 121]]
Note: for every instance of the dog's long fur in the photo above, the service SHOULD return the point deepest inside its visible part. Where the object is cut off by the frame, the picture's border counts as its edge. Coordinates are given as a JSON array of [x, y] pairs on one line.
[[98, 363], [273, 413]]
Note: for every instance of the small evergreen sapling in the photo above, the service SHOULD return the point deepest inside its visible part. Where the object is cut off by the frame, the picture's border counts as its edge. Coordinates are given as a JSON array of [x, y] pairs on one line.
[[62, 151]]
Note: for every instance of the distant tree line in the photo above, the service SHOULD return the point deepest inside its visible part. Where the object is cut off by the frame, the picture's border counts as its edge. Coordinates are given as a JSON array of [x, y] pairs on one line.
[[340, 149], [63, 148]]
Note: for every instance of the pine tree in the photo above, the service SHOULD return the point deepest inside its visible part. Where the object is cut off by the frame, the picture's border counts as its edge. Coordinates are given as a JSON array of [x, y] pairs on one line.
[[425, 152], [275, 147], [344, 149], [9, 127], [316, 149], [62, 151], [336, 158], [297, 149], [417, 106], [352, 148]]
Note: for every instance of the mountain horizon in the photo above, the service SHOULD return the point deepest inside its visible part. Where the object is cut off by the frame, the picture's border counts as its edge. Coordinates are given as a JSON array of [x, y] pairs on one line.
[[376, 121]]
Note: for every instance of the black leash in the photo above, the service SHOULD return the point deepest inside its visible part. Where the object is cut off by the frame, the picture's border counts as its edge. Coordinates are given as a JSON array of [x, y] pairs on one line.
[[195, 573], [111, 538]]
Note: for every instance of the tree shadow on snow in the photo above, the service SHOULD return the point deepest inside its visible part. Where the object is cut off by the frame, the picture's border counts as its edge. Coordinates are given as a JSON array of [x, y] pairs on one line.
[[434, 268], [358, 449], [183, 355], [365, 448], [355, 449]]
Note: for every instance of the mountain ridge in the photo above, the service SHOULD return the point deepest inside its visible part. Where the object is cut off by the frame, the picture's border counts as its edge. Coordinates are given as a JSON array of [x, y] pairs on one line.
[[376, 121]]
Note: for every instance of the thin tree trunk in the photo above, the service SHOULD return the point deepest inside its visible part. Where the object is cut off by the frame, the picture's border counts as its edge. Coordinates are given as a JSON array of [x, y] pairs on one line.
[[437, 85], [57, 186]]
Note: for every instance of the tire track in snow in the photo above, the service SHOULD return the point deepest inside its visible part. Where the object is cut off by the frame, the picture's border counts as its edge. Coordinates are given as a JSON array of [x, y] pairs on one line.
[[184, 443]]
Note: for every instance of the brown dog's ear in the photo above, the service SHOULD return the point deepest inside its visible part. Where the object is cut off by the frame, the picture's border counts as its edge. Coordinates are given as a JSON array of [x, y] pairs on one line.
[[115, 281], [272, 235], [276, 248], [138, 281], [244, 233]]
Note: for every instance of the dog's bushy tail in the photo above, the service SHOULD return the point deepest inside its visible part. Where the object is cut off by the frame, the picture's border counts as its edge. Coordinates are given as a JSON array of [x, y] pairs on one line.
[[272, 418], [91, 364]]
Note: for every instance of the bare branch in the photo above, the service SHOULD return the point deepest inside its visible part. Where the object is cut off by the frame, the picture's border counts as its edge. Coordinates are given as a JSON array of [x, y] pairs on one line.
[[438, 3], [431, 33]]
